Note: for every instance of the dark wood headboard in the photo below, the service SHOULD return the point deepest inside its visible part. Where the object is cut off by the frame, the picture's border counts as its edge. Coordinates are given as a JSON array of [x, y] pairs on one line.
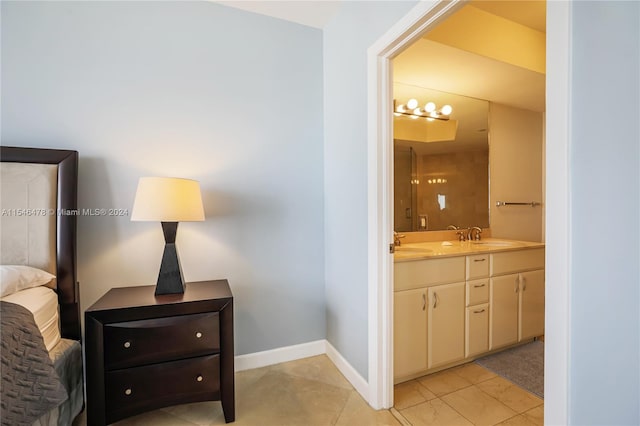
[[66, 227]]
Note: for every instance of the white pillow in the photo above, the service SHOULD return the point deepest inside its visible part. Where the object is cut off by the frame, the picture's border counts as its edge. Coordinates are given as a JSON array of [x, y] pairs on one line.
[[18, 277]]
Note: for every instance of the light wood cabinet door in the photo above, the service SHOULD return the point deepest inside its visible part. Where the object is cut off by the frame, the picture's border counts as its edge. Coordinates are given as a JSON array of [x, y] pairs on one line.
[[410, 332], [531, 305], [445, 324], [503, 314], [477, 330]]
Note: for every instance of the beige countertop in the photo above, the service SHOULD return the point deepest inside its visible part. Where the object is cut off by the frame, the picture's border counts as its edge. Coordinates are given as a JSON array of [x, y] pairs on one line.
[[435, 249]]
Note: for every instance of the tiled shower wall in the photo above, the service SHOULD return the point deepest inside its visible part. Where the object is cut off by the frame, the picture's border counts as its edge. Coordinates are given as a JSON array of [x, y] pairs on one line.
[[465, 193]]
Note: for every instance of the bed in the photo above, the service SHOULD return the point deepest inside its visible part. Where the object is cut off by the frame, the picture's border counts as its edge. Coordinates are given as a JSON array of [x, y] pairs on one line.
[[38, 202]]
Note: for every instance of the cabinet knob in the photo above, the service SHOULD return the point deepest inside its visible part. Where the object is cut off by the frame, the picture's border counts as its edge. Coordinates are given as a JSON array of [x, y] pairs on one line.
[[198, 335], [127, 344], [128, 391], [199, 378]]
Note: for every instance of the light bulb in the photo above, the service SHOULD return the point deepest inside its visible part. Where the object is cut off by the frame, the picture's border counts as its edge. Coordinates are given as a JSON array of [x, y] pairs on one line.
[[434, 114], [430, 106], [414, 116], [400, 108], [446, 110], [413, 103], [417, 111], [397, 114]]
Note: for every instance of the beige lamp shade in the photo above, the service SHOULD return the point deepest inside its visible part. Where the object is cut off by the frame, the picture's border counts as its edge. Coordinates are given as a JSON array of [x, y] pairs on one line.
[[162, 199]]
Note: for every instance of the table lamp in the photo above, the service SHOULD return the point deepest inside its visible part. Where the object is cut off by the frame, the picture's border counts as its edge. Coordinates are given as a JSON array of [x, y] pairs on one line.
[[169, 201]]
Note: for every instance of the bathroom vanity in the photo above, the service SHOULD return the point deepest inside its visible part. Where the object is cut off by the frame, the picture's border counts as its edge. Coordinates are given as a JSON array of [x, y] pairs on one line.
[[457, 301]]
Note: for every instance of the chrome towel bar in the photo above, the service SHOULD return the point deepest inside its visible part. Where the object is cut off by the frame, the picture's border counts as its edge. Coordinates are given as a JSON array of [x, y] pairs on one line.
[[508, 203]]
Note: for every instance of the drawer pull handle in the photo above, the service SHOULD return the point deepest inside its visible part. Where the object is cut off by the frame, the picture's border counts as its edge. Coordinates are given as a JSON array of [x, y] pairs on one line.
[[478, 285], [478, 312], [128, 391], [424, 301], [199, 378], [127, 344], [479, 260], [198, 335]]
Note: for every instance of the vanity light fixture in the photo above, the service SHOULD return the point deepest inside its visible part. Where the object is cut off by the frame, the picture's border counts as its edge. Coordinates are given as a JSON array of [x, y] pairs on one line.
[[438, 180], [429, 111]]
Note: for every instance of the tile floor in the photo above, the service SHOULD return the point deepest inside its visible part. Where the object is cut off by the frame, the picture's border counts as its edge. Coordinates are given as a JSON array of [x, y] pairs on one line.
[[467, 395], [312, 391]]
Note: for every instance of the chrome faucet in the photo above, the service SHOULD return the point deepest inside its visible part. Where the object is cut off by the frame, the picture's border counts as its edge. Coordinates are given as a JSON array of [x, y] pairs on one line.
[[476, 236], [461, 235], [396, 238], [452, 227]]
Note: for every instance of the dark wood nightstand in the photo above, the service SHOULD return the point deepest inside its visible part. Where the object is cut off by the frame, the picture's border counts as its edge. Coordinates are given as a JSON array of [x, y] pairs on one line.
[[145, 352]]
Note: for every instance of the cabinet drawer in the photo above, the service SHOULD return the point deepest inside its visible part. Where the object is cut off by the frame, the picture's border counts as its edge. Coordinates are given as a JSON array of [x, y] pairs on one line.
[[477, 266], [162, 339], [424, 273], [477, 292], [134, 390], [516, 261]]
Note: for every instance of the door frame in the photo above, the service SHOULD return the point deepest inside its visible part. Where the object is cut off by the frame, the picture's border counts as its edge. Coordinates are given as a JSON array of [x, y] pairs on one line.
[[426, 15]]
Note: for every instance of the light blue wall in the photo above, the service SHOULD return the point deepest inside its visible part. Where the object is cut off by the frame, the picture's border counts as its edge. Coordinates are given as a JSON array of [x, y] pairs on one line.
[[190, 89], [346, 39], [605, 214]]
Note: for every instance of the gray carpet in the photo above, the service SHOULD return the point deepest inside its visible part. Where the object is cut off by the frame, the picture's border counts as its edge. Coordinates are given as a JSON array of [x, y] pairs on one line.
[[523, 366]]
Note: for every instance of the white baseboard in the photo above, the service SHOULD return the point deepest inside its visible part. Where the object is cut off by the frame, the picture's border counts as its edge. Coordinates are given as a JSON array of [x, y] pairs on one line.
[[305, 350], [347, 370], [278, 355]]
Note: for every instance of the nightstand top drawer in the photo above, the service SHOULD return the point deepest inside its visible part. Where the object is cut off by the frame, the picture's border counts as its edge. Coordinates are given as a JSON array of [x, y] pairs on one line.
[[132, 343]]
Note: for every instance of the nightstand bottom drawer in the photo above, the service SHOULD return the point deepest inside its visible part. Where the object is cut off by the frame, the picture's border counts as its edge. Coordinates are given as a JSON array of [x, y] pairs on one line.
[[132, 391]]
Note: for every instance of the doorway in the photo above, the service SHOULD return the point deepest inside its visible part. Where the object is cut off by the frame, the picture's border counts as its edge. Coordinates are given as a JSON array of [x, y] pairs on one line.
[[423, 17]]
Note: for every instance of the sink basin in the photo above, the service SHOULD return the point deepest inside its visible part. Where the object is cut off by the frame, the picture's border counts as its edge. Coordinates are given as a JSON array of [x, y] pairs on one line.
[[495, 243]]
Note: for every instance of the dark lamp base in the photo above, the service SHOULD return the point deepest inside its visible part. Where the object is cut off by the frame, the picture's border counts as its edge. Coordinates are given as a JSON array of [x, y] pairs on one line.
[[170, 279]]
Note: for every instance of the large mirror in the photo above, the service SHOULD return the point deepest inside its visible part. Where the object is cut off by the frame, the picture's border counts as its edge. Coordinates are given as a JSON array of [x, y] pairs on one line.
[[441, 161]]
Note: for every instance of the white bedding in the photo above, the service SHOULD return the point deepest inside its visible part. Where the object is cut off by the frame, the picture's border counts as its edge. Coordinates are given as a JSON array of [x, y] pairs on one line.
[[43, 303]]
